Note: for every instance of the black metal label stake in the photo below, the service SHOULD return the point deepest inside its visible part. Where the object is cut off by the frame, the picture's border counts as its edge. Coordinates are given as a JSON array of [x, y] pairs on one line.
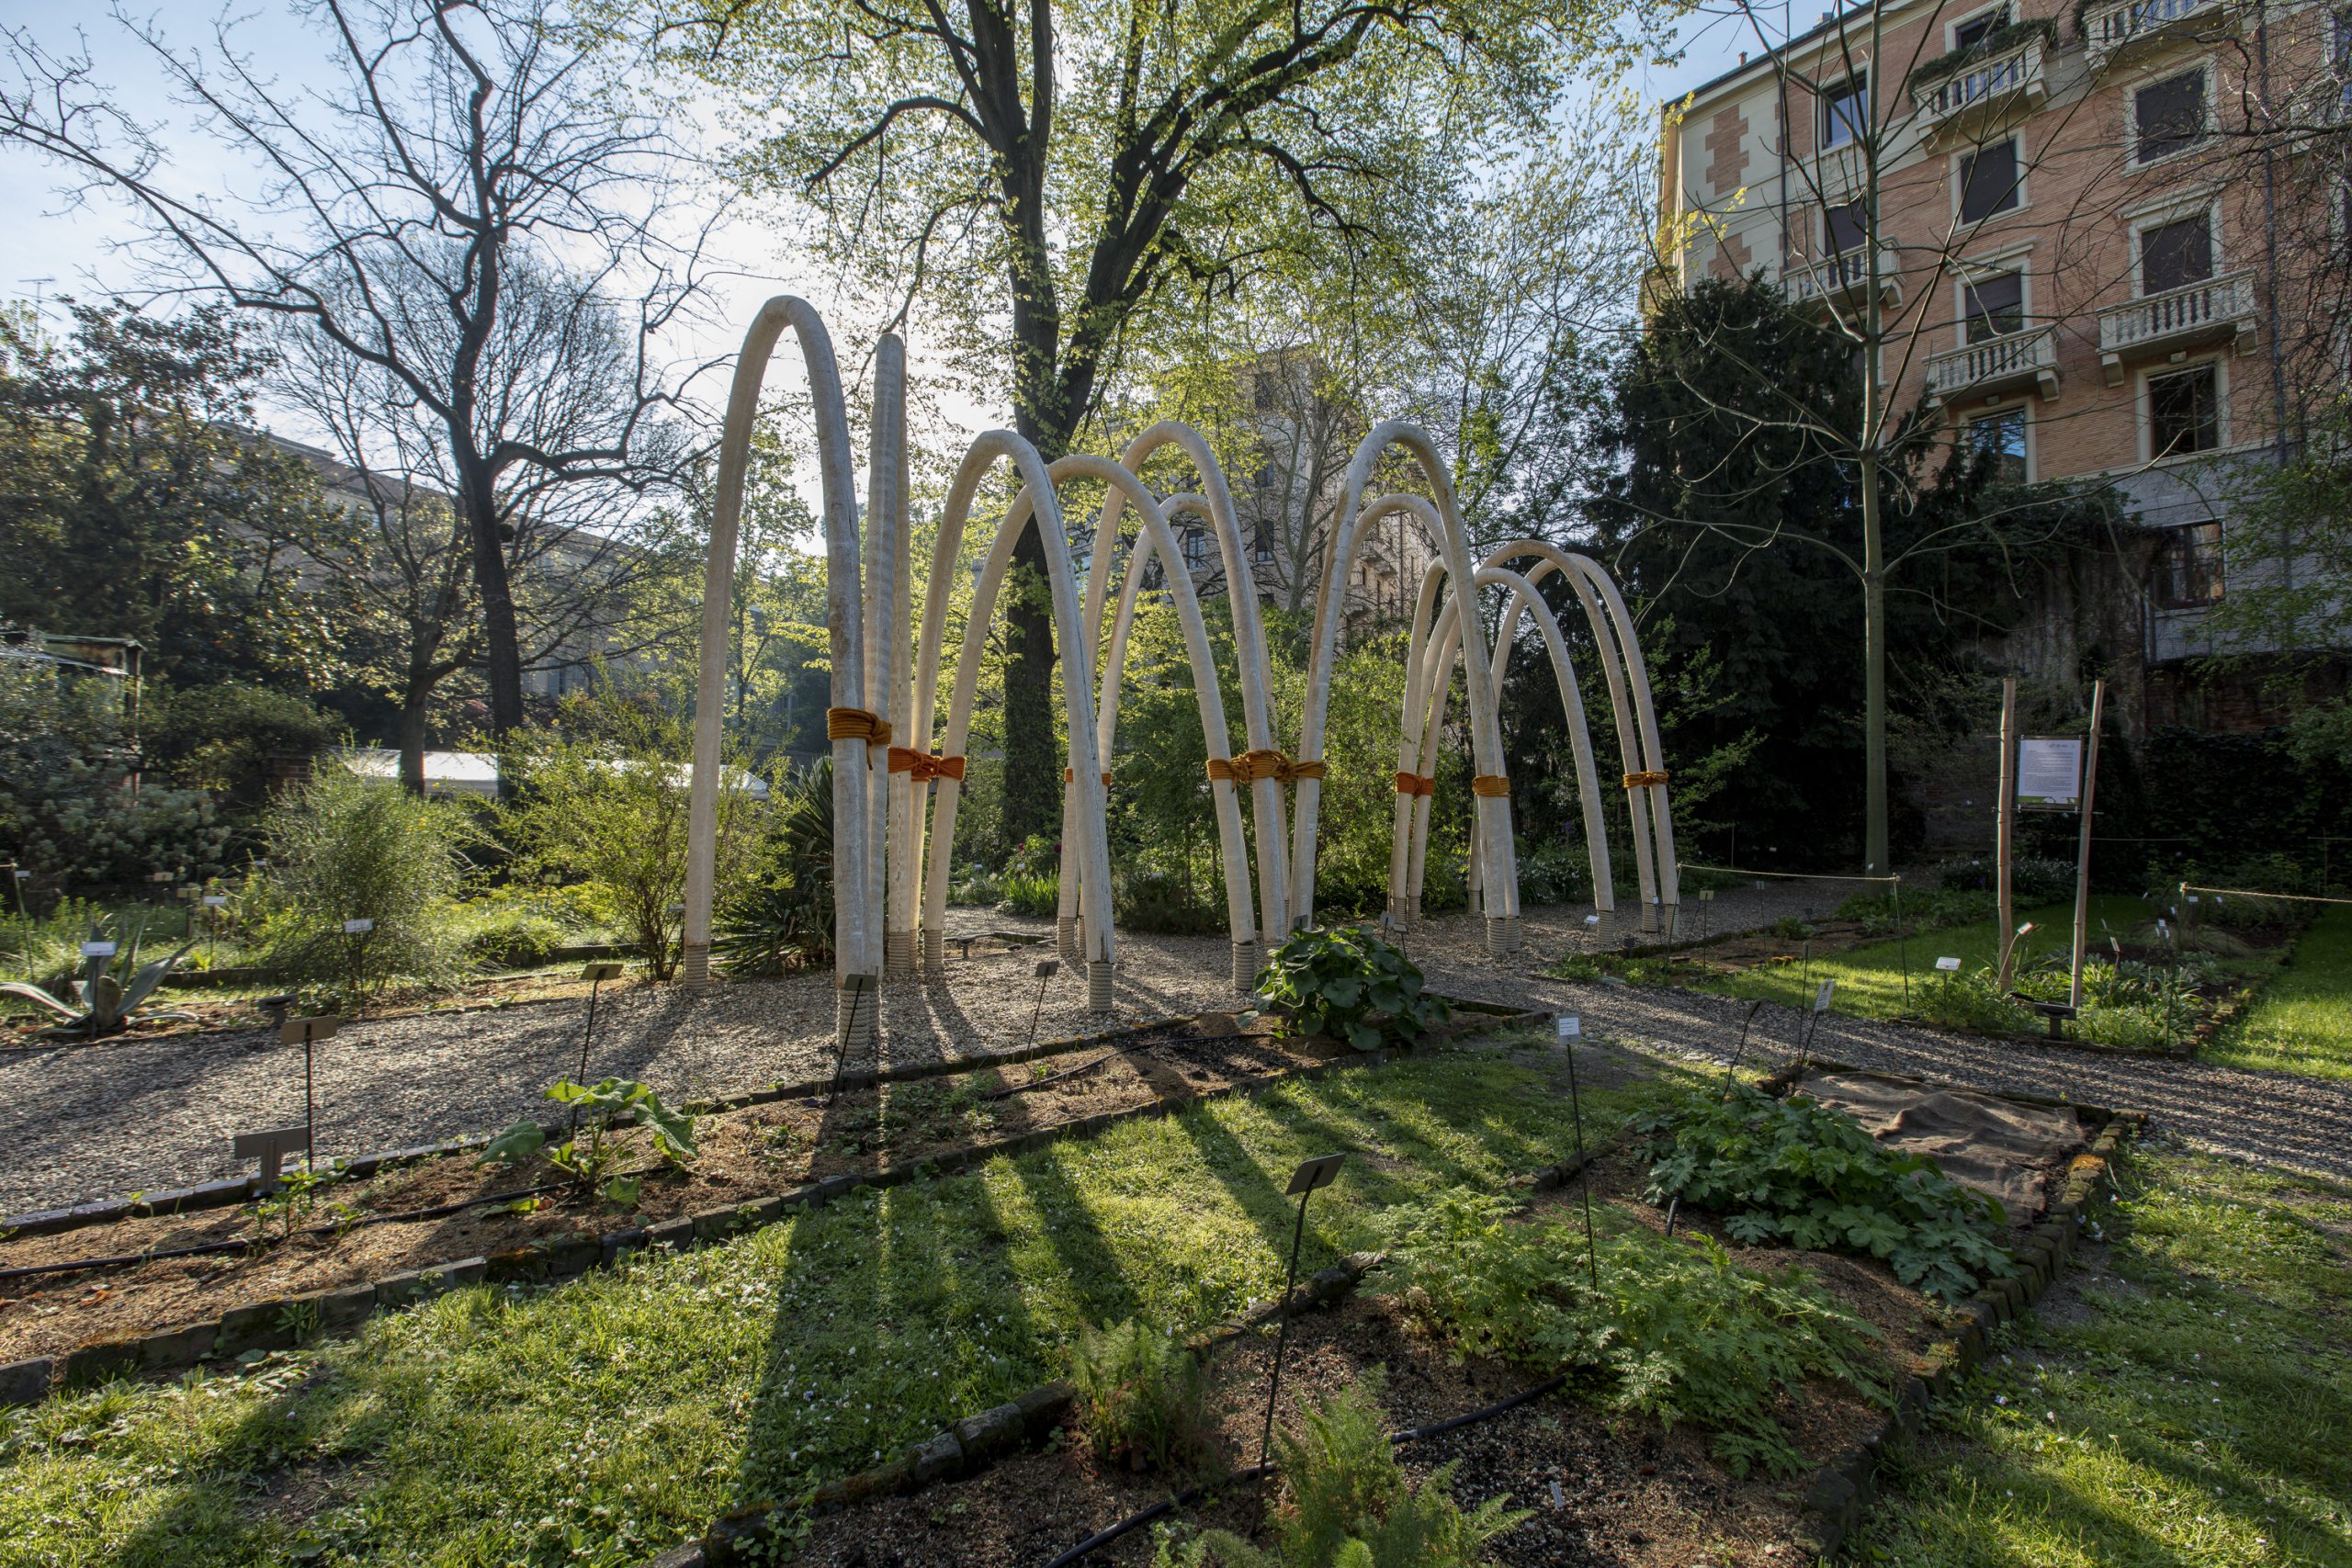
[[1571, 1030], [1046, 969], [596, 973], [858, 986], [306, 1032], [1310, 1175]]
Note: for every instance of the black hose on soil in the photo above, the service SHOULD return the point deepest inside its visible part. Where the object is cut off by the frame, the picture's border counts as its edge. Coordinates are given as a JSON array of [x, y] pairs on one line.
[[206, 1249], [1101, 1539], [1054, 1079]]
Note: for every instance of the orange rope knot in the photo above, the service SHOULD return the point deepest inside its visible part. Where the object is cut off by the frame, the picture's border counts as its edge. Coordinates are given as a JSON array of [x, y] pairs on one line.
[[1268, 763], [1495, 786], [1222, 769], [856, 724], [1416, 783], [1642, 781], [1069, 775], [924, 766]]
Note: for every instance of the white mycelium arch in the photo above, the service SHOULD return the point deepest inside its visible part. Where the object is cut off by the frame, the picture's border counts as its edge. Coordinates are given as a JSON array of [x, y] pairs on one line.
[[890, 802]]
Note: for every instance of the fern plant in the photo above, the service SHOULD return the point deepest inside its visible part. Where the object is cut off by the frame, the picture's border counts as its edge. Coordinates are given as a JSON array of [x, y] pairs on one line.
[[1140, 1398], [1803, 1174], [1674, 1329], [1345, 1503]]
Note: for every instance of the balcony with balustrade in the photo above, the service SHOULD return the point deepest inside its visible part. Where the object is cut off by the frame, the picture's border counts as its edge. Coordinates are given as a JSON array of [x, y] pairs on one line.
[[1967, 98], [2113, 32], [1843, 279], [2195, 315], [2007, 363]]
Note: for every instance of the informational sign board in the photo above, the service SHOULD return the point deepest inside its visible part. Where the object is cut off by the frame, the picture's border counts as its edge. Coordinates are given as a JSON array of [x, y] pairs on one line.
[[1570, 1025], [1949, 965], [357, 928], [1314, 1173], [2049, 773], [216, 900], [97, 950], [1821, 996]]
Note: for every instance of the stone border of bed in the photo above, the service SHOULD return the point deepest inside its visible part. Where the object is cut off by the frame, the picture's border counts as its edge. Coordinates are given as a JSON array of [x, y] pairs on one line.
[[283, 1323], [1833, 1504]]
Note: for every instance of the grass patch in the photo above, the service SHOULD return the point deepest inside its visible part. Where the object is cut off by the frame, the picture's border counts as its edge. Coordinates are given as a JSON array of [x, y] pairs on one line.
[[2302, 1020], [2190, 1409], [1870, 977], [603, 1419]]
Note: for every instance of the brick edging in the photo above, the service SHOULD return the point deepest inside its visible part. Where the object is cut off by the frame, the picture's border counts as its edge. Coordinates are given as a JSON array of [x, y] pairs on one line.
[[285, 1322], [1833, 1504]]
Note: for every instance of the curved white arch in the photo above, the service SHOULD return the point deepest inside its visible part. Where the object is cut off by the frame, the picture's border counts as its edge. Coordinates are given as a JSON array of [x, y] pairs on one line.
[[1493, 812], [856, 942], [1037, 498], [1431, 673], [1157, 540], [1248, 645]]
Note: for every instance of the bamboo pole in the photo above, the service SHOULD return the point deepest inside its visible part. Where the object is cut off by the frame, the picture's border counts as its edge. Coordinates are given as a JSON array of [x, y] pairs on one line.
[[2083, 851], [2004, 832]]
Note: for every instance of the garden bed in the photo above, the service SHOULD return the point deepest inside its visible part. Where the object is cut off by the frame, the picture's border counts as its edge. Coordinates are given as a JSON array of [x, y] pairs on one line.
[[532, 1222]]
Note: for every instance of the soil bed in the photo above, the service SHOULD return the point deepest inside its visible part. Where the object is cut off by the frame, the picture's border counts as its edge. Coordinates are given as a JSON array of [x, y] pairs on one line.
[[755, 1153], [1631, 1492]]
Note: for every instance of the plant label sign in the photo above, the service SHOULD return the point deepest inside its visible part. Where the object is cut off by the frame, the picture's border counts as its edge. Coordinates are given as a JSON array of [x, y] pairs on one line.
[[603, 969], [216, 900], [1821, 996], [2049, 773], [270, 1146], [1593, 920], [97, 950], [1570, 1026], [357, 928], [1949, 965], [1707, 895], [1312, 1174], [1048, 967], [309, 1030]]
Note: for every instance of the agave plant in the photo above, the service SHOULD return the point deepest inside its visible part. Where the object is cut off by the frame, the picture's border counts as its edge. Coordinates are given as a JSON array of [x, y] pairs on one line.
[[101, 1003]]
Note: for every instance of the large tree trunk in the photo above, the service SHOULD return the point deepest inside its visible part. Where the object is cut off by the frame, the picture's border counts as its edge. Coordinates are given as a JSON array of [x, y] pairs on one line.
[[1874, 807], [412, 736], [502, 641], [1032, 783]]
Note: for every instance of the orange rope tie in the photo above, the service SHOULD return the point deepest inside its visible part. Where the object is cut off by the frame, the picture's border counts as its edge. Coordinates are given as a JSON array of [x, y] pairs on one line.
[[1268, 763], [1495, 786], [1643, 780], [1222, 770], [1069, 775], [856, 724], [924, 766], [1416, 783]]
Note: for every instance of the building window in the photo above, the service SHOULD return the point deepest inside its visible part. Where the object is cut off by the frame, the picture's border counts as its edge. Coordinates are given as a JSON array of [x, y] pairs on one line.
[[1996, 306], [2184, 412], [1261, 391], [1265, 542], [2176, 254], [2188, 567], [1988, 180], [1977, 29], [1264, 479], [1846, 110], [1843, 228], [2169, 116], [1196, 550], [1999, 439]]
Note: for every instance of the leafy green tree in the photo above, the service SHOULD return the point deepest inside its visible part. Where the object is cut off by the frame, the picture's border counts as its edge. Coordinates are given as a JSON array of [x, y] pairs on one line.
[[602, 801], [1744, 526], [1041, 176], [137, 499]]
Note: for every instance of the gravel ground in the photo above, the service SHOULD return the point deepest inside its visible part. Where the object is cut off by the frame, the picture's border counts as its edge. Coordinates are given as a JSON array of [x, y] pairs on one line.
[[77, 1124]]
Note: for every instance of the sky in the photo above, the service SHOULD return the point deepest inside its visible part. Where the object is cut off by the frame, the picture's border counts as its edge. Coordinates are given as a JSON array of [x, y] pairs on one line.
[[58, 246]]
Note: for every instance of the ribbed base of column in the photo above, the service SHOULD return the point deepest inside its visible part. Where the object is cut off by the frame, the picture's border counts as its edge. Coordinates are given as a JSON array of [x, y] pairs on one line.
[[1498, 936], [1245, 966], [1066, 937], [934, 953], [1649, 917], [1516, 933], [1097, 987], [897, 955], [854, 1018], [694, 965]]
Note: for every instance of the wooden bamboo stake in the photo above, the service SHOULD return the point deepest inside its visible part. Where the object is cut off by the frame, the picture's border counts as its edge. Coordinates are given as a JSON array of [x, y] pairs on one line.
[[2083, 851], [2004, 832]]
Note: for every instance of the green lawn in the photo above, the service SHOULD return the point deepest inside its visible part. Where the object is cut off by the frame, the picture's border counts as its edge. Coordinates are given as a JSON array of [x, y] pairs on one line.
[[603, 1420], [1870, 977], [2302, 1020], [2191, 1409]]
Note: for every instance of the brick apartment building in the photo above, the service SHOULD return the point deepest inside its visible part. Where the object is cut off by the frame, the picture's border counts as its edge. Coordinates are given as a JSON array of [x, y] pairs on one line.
[[2088, 246]]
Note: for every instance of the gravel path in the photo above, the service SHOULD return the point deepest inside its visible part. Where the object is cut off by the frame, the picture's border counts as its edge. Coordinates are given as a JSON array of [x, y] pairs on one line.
[[82, 1123]]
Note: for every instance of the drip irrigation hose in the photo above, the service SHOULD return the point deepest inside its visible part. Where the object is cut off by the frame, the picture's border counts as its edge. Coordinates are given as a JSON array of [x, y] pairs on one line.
[[1103, 1538], [207, 1248], [1055, 1079]]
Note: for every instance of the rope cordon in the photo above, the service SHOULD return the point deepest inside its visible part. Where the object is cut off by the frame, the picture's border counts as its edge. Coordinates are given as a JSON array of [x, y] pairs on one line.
[[1495, 786], [1416, 783], [925, 765], [1643, 780], [856, 724]]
